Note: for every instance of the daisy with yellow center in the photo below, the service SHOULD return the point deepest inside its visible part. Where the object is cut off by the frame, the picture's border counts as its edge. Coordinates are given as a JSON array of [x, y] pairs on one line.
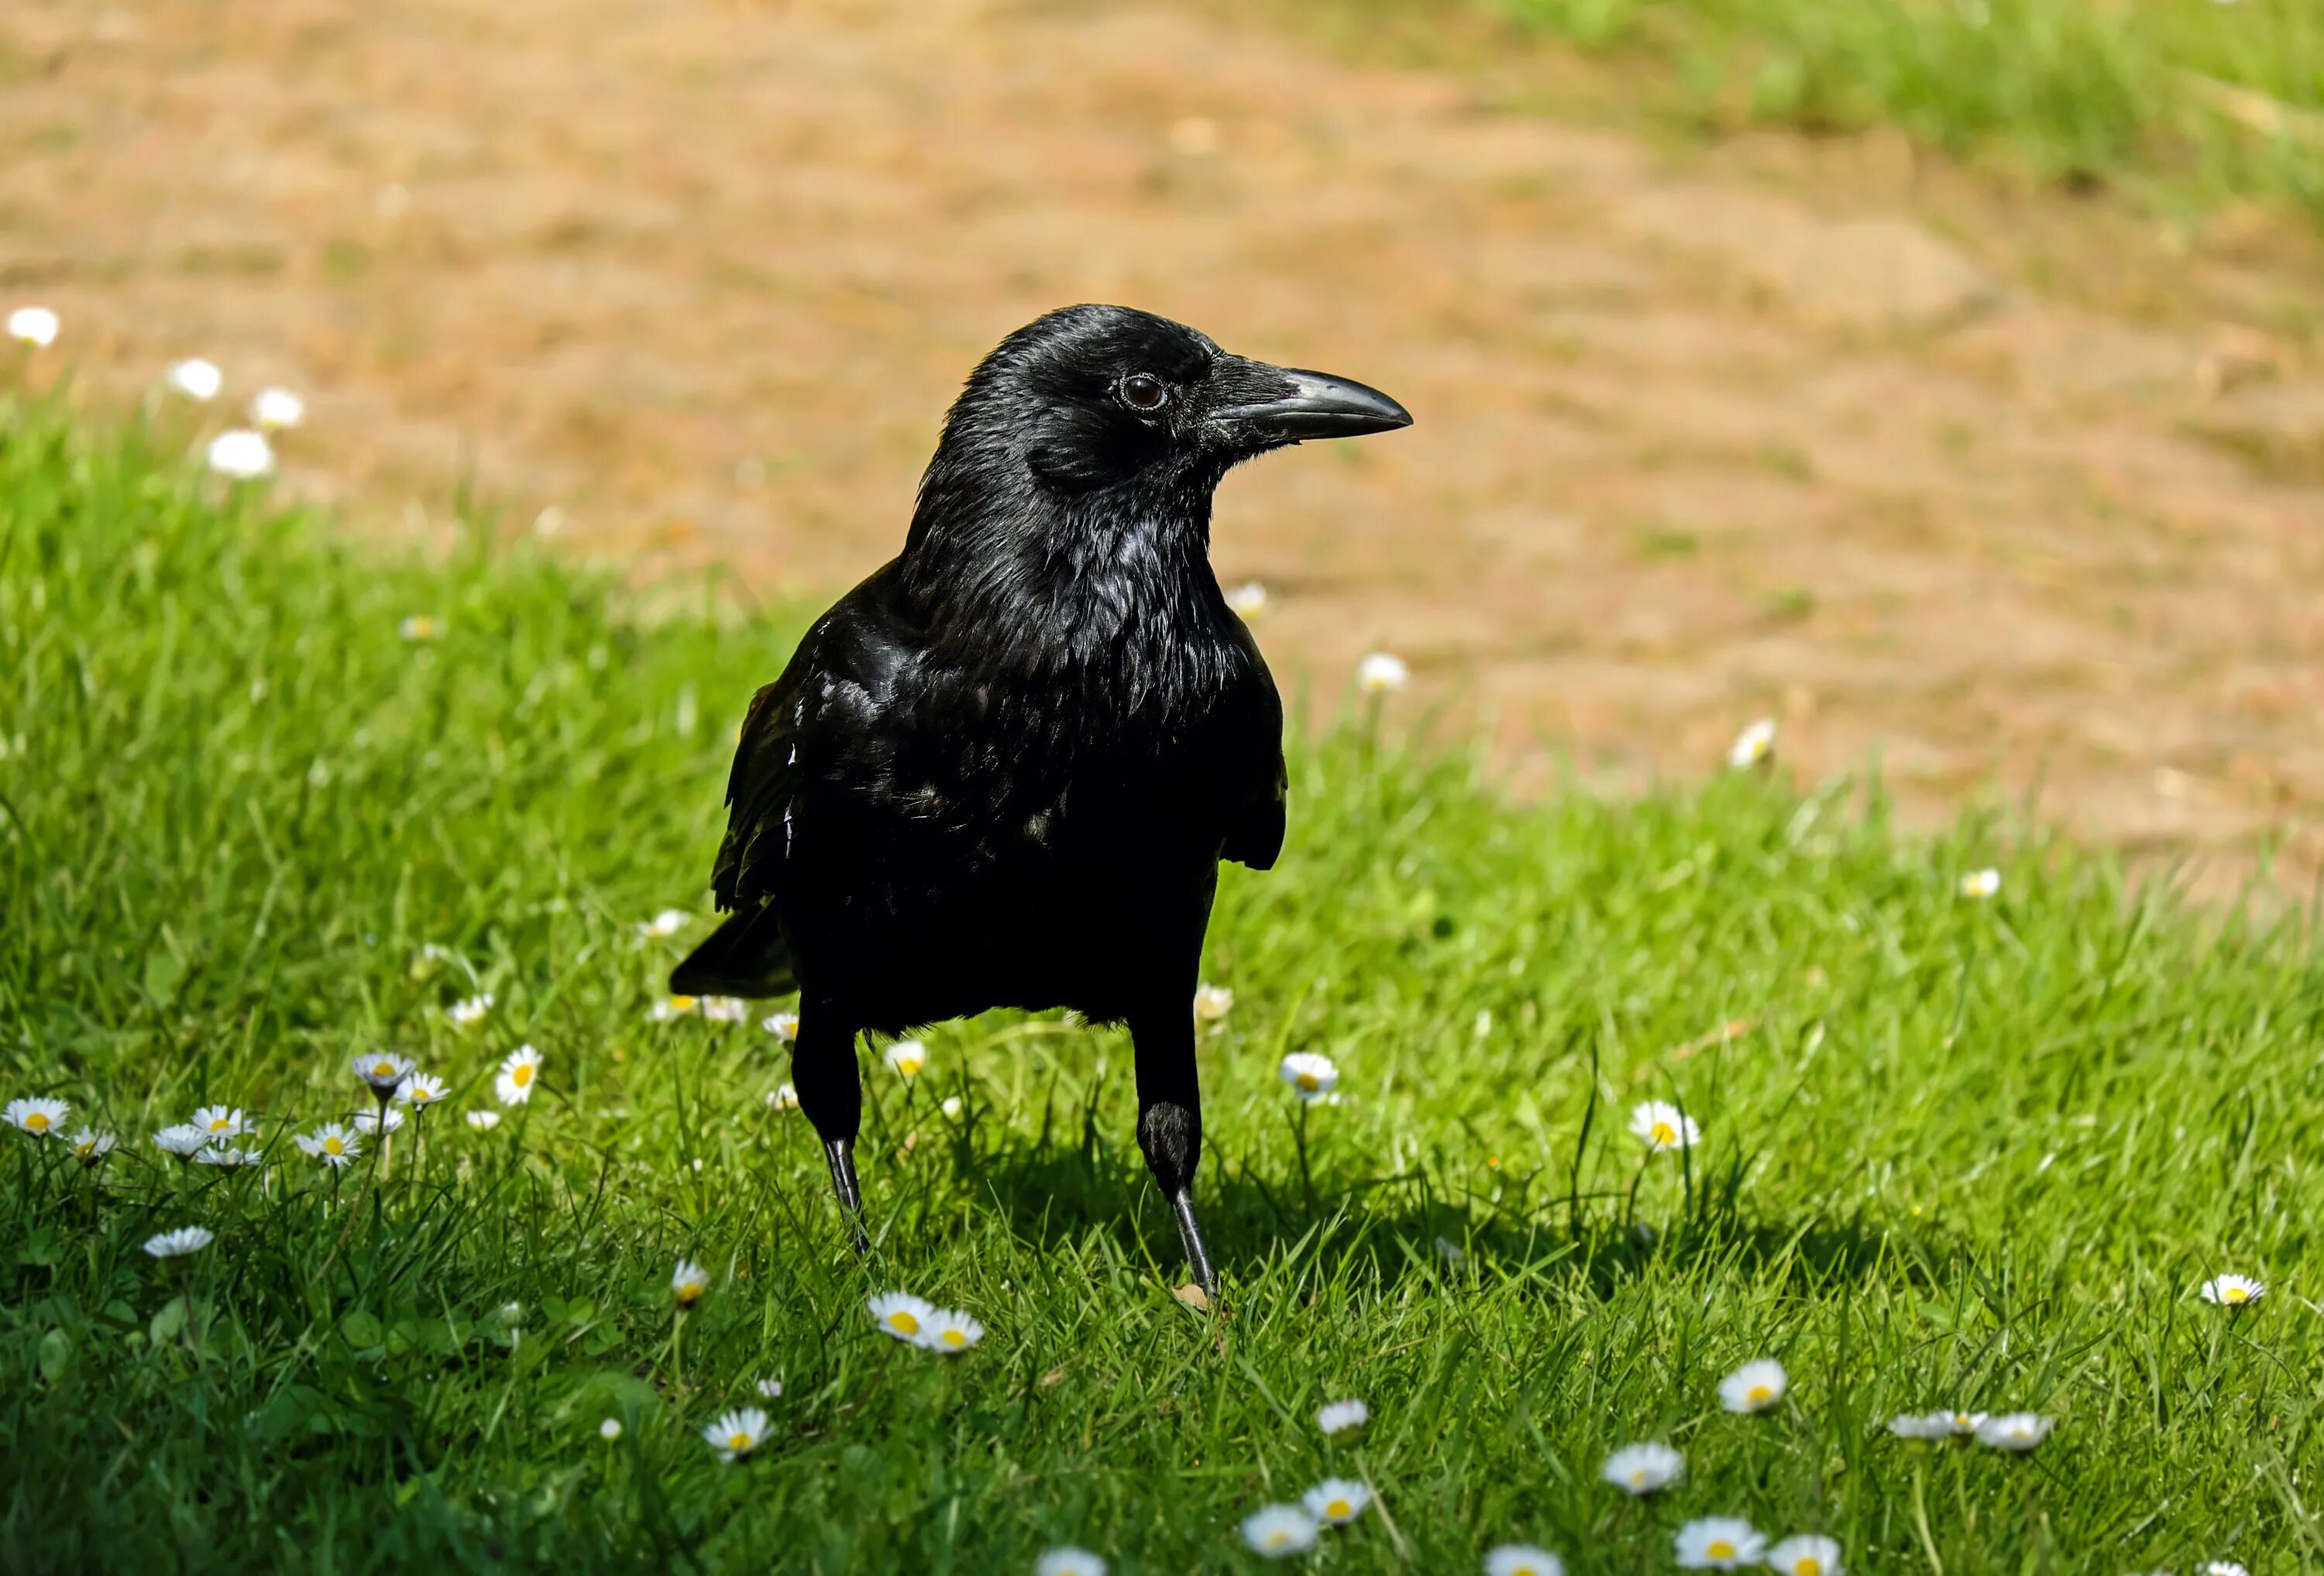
[[91, 1146], [1718, 1543], [1213, 1003], [421, 1090], [783, 1097], [1935, 1424], [185, 1140], [666, 923], [738, 1433], [278, 408], [1068, 1560], [2233, 1291], [331, 1144], [1753, 745], [688, 1284], [1340, 1416], [1805, 1554], [472, 1010], [1523, 1560], [1755, 1386], [1642, 1468], [517, 1077], [419, 627], [1279, 1530], [1336, 1501], [672, 1006], [901, 1314], [724, 1008], [33, 326], [1382, 672], [384, 1071], [950, 1331], [908, 1057], [1311, 1076], [783, 1026], [2014, 1431], [221, 1122], [39, 1118], [1659, 1125], [1247, 601], [1981, 884]]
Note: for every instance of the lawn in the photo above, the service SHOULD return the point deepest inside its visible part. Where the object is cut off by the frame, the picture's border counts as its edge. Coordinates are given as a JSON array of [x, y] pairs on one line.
[[1954, 1152]]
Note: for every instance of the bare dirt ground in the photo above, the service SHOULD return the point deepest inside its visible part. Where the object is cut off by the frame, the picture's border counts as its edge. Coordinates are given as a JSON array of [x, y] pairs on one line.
[[2008, 492]]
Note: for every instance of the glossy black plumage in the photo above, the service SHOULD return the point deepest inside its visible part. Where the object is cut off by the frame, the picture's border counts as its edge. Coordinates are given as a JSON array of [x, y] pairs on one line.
[[1002, 770]]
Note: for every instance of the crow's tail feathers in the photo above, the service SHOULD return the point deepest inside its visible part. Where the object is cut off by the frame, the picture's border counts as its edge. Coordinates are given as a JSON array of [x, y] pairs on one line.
[[746, 956]]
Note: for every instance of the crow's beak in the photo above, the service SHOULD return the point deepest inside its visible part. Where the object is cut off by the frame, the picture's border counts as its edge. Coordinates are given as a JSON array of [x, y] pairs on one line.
[[1294, 404]]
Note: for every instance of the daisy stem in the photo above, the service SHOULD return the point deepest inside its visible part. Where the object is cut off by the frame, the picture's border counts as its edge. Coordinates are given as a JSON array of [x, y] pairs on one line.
[[1631, 1201], [385, 1168], [677, 1351], [193, 1320], [1299, 1136]]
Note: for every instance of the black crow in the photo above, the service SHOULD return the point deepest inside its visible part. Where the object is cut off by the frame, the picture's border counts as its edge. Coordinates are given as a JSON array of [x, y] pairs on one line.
[[1002, 770]]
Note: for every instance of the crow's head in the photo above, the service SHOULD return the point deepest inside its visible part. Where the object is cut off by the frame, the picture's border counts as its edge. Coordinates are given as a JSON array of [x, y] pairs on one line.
[[1110, 400]]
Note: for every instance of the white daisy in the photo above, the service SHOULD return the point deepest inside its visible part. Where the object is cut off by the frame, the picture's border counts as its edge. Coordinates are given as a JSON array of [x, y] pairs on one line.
[[2018, 1432], [331, 1144], [1755, 1386], [737, 1433], [770, 1388], [666, 923], [1718, 1543], [483, 1121], [463, 1013], [688, 1283], [35, 325], [517, 1073], [1660, 1125], [184, 1140], [950, 1331], [783, 1026], [90, 1145], [177, 1244], [1311, 1076], [2233, 1291], [384, 1071], [1340, 1416], [670, 1007], [1753, 744], [418, 626], [368, 1121], [951, 1105], [1522, 1560], [229, 1156], [1935, 1425], [1641, 1469], [1805, 1554], [278, 408], [221, 1122], [42, 1118], [725, 1009], [908, 1057], [903, 1315], [197, 379], [1068, 1560], [2222, 1567], [610, 1429], [241, 454], [1247, 600], [1336, 1501], [1379, 673], [1980, 884], [1278, 1530], [1211, 1003], [1450, 1252], [421, 1090], [782, 1097]]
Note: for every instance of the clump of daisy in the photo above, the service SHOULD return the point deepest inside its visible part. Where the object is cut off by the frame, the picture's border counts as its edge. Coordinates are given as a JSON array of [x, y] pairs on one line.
[[517, 1073], [1213, 1003], [1249, 600], [197, 379], [278, 410], [470, 1010], [1641, 1469], [667, 923], [1336, 1501], [331, 1144], [483, 1121], [1753, 745], [1068, 1560], [241, 455], [1936, 1424], [1340, 1416], [725, 1009], [1981, 884], [1278, 1530], [672, 1006], [1718, 1543], [177, 1244], [903, 1315], [1660, 1125], [184, 1140], [1522, 1560], [1379, 673], [950, 1331], [1805, 1554], [610, 1429], [783, 1026], [37, 1117], [1755, 1386], [89, 1145], [906, 1058], [34, 325], [687, 1284], [2233, 1292], [2015, 1432], [783, 1097], [1311, 1076], [738, 1433]]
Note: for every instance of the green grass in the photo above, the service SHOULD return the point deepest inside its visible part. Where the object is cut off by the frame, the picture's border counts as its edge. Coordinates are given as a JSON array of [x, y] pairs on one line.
[[2140, 93], [1963, 1153]]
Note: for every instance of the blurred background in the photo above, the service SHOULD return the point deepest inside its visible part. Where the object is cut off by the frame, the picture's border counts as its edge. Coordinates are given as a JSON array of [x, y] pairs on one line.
[[1939, 378]]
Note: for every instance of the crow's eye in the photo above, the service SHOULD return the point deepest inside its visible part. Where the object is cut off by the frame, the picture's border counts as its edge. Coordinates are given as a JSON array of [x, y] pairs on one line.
[[1143, 390]]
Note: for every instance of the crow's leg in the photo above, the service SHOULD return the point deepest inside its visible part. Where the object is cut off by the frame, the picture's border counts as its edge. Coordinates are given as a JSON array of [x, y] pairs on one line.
[[1170, 1120], [823, 1070]]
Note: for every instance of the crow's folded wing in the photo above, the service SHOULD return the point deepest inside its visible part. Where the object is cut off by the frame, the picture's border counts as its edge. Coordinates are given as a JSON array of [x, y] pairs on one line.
[[1257, 785]]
